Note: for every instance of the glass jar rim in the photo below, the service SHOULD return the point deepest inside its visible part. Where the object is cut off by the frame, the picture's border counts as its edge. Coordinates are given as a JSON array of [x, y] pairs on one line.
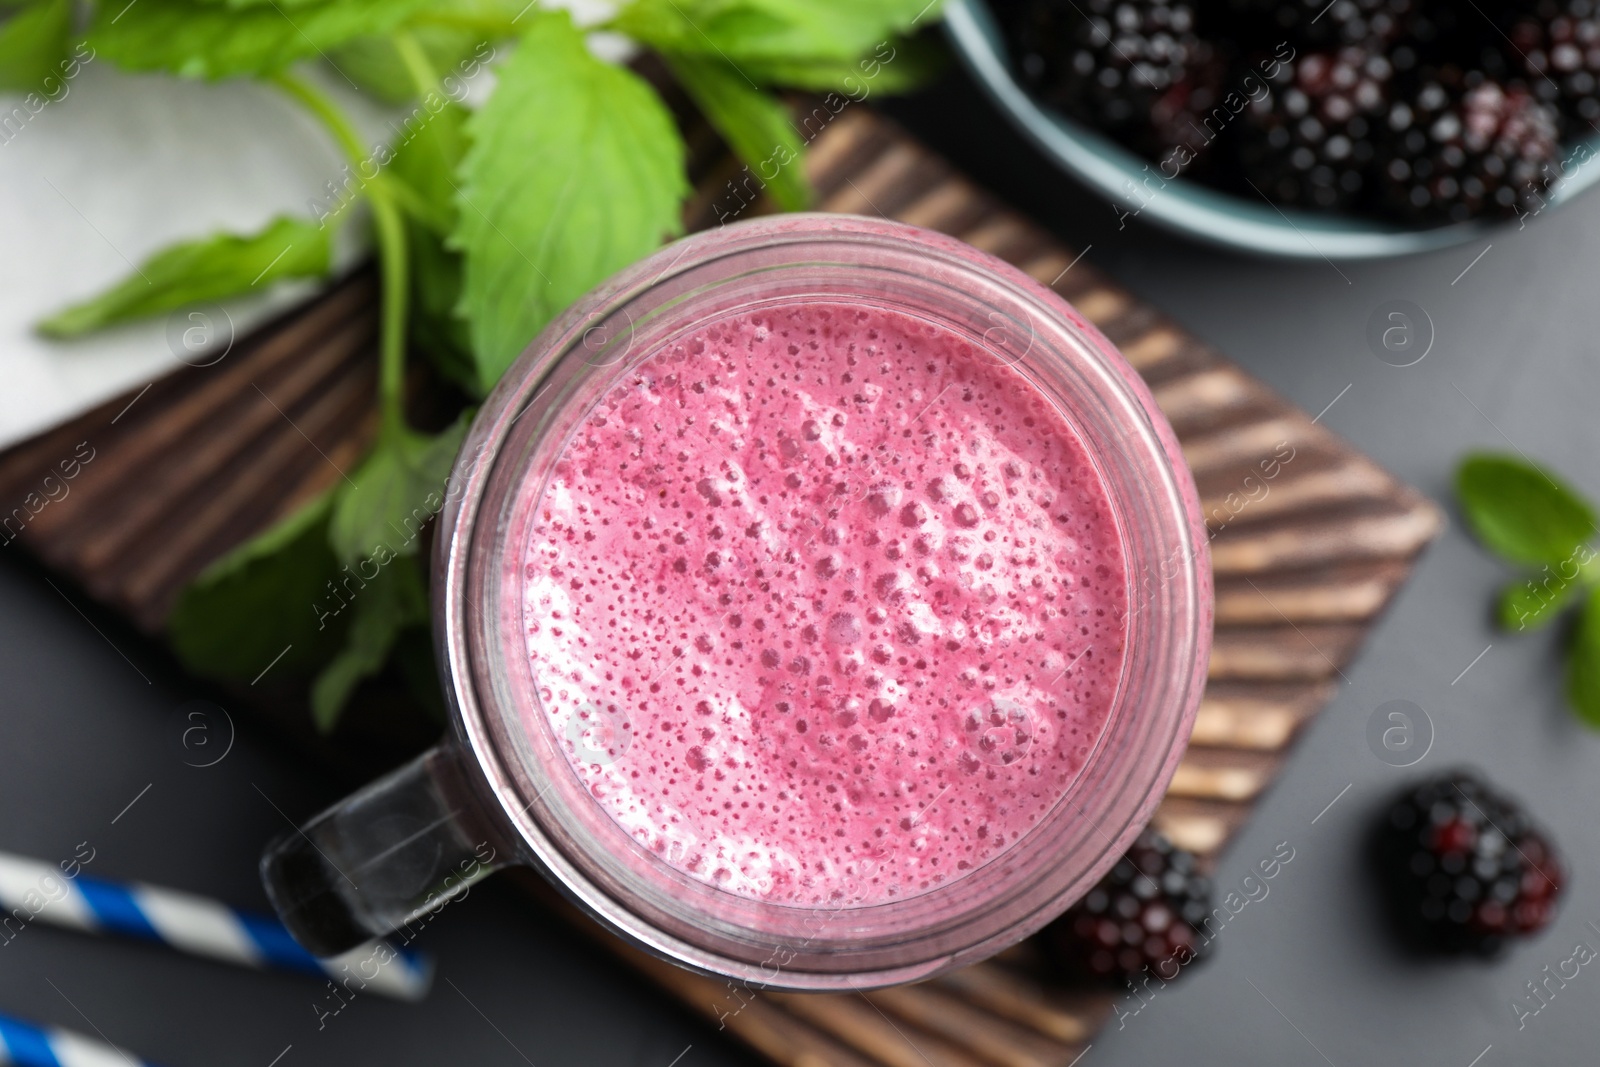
[[665, 293]]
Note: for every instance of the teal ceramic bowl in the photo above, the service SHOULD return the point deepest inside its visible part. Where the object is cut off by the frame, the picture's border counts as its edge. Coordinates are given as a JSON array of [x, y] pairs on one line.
[[1187, 207]]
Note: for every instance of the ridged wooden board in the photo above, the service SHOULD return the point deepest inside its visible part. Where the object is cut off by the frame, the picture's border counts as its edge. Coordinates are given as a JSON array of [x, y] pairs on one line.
[[1304, 561]]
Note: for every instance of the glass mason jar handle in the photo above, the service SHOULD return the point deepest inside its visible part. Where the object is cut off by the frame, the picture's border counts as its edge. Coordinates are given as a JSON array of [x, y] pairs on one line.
[[384, 856]]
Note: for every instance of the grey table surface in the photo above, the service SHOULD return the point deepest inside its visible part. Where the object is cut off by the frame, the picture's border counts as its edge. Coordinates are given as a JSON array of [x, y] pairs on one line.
[[1307, 975]]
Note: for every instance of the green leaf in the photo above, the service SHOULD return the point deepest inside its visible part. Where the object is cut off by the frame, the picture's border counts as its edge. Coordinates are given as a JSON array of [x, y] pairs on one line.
[[397, 490], [197, 39], [210, 269], [244, 610], [892, 66], [575, 171], [755, 124], [1534, 601], [487, 20], [772, 30], [1521, 512], [1583, 663], [383, 606], [33, 43], [375, 65], [427, 156], [437, 328], [426, 162], [237, 5]]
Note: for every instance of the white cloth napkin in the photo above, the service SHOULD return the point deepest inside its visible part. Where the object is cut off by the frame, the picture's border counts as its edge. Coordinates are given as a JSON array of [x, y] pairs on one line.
[[114, 169]]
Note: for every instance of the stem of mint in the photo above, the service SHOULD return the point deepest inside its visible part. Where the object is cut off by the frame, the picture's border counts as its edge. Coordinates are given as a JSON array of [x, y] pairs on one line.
[[392, 256], [416, 62]]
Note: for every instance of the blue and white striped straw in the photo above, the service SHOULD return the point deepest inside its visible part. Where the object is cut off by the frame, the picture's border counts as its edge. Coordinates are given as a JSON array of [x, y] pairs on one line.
[[27, 1045], [196, 925]]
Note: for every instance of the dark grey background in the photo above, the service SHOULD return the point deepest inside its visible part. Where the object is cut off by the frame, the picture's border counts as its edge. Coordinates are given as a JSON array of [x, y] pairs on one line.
[[1305, 976]]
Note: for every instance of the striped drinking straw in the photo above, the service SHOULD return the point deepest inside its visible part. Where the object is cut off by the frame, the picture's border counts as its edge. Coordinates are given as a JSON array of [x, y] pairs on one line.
[[30, 889], [27, 1045]]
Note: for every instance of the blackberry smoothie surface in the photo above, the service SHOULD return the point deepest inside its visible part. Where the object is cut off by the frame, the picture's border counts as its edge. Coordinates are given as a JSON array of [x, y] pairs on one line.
[[826, 603]]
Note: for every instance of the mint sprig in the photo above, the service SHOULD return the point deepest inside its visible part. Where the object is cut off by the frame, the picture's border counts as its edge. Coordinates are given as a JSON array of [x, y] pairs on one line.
[[486, 224], [1528, 516]]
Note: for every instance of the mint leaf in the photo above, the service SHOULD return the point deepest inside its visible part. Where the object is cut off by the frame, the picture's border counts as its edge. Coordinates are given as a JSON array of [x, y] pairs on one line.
[[771, 30], [427, 156], [236, 5], [196, 39], [1521, 512], [1583, 663], [892, 66], [394, 599], [575, 171], [245, 609], [375, 65], [1533, 601], [426, 162], [194, 271], [755, 125], [437, 328], [397, 490], [33, 42]]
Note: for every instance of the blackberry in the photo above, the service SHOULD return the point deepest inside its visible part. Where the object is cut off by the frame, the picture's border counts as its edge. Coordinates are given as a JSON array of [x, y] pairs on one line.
[[1147, 913], [1320, 25], [1114, 63], [1309, 141], [1462, 146], [1557, 48], [1465, 867], [1178, 118], [1449, 32]]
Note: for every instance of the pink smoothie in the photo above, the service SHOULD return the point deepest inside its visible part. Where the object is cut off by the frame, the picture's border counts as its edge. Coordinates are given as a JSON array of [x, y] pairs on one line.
[[841, 596]]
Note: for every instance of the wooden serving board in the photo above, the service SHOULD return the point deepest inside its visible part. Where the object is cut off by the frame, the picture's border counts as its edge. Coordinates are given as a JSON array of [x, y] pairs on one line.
[[1305, 559]]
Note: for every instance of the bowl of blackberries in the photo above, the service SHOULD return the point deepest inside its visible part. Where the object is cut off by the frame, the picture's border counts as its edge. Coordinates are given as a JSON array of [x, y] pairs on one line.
[[1333, 128]]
